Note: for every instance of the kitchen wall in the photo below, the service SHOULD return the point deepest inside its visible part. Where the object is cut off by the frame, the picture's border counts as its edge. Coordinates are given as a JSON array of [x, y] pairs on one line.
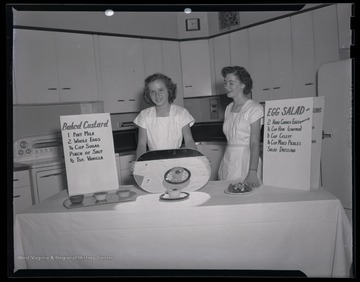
[[44, 119], [152, 24], [212, 108], [167, 24], [35, 120], [248, 18]]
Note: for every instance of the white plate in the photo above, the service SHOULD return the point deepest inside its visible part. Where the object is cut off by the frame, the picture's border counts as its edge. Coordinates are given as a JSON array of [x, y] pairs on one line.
[[166, 197], [241, 193]]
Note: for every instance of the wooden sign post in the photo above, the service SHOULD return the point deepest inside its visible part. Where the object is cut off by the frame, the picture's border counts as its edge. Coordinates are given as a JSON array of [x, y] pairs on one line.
[[291, 157], [89, 153]]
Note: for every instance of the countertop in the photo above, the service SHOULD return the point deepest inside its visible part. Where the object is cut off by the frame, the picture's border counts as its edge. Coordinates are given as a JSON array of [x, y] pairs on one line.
[[271, 228]]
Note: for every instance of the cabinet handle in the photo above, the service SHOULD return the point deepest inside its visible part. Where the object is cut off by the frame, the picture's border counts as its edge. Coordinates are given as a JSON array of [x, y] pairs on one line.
[[214, 149], [132, 100], [126, 124], [326, 135], [121, 100], [188, 86], [277, 87], [54, 174], [16, 196], [66, 88], [310, 83], [17, 179], [53, 88], [266, 89]]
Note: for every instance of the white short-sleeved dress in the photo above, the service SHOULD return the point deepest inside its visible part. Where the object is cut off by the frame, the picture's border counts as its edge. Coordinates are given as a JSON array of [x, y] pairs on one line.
[[236, 127], [164, 132]]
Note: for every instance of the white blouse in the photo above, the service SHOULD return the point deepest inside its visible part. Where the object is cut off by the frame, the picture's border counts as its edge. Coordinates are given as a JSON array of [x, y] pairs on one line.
[[164, 132]]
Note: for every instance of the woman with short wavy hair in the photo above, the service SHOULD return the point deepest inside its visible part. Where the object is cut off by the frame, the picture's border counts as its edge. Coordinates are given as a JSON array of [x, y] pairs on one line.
[[163, 125], [242, 123]]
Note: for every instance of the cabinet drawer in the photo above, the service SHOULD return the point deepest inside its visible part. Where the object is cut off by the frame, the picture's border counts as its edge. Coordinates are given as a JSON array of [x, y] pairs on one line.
[[22, 199], [21, 178], [127, 178], [126, 160]]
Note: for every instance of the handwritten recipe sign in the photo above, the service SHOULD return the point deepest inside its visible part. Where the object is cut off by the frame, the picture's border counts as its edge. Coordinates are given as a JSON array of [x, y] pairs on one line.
[[288, 132], [89, 153], [317, 127]]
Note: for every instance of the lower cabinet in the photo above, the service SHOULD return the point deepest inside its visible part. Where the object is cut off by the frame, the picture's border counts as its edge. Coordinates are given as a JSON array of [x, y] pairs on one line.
[[214, 151], [22, 198], [125, 175]]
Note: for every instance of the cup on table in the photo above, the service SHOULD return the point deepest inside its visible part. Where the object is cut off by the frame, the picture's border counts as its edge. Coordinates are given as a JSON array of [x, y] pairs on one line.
[[174, 192], [100, 196]]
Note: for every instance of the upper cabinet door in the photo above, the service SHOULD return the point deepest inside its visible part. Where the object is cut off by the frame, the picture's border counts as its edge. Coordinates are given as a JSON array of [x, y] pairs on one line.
[[122, 71], [260, 63], [196, 68], [153, 61], [239, 49], [325, 35], [279, 35], [76, 67], [271, 60], [54, 67], [172, 67], [303, 55], [221, 59], [35, 67], [344, 18]]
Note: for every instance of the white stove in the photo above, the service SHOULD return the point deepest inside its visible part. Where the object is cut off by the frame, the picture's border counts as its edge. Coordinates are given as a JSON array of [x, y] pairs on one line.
[[44, 157], [31, 149]]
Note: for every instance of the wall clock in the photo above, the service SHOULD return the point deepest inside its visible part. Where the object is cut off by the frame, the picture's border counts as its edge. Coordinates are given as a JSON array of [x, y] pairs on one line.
[[192, 24]]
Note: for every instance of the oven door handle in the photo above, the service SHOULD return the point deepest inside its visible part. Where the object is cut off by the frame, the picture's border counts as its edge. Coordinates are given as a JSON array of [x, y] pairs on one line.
[[53, 174]]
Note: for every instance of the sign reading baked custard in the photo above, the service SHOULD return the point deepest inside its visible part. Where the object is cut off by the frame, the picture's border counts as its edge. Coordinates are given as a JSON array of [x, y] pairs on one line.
[[89, 153]]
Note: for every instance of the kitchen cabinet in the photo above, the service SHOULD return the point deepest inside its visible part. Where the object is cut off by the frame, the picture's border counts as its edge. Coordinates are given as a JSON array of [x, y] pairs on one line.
[[271, 60], [153, 60], [125, 173], [197, 68], [164, 56], [22, 198], [54, 67], [214, 152], [344, 18], [326, 42], [50, 182], [122, 73], [239, 49], [172, 67], [315, 42], [303, 55], [221, 46]]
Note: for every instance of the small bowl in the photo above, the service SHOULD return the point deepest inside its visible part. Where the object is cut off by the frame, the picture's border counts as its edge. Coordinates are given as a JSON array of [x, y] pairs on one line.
[[77, 199], [101, 196], [123, 193], [174, 193]]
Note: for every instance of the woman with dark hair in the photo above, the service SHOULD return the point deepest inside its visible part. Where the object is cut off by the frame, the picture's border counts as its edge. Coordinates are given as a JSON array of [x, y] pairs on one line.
[[163, 125], [242, 123]]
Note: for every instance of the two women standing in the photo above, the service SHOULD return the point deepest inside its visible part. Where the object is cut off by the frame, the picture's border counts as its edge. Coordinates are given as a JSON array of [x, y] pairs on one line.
[[165, 125]]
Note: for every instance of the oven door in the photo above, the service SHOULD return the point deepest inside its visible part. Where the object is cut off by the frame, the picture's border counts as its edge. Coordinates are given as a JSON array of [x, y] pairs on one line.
[[50, 181]]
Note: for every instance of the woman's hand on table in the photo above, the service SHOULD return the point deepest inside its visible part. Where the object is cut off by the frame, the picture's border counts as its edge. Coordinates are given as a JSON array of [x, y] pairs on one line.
[[252, 180]]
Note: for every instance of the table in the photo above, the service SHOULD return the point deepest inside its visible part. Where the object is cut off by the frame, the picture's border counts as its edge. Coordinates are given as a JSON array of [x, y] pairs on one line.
[[271, 228]]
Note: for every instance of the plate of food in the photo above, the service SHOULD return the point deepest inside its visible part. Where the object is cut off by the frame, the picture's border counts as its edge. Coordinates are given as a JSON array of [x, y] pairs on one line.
[[239, 189]]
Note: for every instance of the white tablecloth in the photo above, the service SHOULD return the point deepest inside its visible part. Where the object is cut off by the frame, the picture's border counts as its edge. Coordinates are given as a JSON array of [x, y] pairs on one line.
[[271, 228]]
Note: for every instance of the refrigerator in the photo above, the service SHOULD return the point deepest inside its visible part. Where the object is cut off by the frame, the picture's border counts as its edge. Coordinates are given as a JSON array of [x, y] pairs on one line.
[[335, 83]]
